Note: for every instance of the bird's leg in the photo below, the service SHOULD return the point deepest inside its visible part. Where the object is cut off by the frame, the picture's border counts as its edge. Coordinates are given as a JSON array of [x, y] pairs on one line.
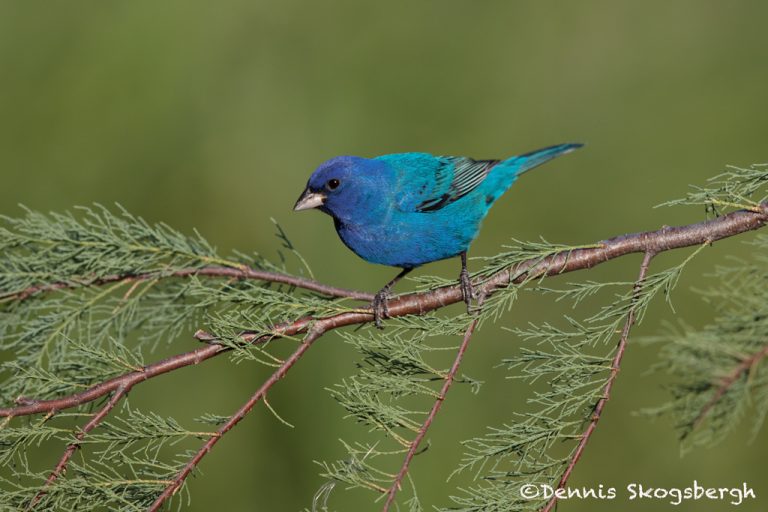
[[379, 304], [466, 284]]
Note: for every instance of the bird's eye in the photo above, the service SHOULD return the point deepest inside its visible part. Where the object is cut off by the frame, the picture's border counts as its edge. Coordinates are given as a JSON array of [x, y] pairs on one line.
[[332, 184]]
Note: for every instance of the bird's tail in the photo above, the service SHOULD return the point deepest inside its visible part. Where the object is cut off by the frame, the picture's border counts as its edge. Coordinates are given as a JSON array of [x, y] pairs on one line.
[[533, 159]]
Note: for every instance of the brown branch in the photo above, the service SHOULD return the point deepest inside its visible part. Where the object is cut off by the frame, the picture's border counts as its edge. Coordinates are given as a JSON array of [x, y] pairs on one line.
[[745, 366], [651, 242], [242, 272], [319, 328], [665, 239], [414, 446], [61, 466], [615, 365], [26, 406]]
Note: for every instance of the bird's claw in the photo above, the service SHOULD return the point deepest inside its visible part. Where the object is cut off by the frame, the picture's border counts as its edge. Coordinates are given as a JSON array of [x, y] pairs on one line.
[[380, 309], [467, 292]]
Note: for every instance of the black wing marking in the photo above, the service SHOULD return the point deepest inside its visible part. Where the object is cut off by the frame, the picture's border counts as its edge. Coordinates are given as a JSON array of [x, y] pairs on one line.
[[465, 174]]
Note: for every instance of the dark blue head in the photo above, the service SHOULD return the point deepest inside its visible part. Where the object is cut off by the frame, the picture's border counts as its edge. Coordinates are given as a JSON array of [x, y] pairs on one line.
[[345, 186]]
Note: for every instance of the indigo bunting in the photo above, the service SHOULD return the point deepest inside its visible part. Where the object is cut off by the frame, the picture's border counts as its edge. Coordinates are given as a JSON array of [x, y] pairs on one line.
[[408, 209]]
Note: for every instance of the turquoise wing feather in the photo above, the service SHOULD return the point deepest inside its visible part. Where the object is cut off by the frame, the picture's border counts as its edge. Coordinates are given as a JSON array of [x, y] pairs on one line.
[[428, 183]]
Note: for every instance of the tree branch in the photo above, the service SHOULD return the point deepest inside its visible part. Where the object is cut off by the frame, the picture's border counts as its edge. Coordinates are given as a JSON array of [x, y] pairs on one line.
[[615, 365], [745, 366], [26, 406], [61, 466], [650, 243], [414, 446], [319, 328], [241, 272]]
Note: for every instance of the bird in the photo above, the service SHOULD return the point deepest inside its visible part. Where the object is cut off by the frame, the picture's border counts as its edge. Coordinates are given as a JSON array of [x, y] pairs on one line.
[[405, 210]]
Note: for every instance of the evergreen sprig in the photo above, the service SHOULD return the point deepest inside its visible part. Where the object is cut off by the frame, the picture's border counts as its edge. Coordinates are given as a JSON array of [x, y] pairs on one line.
[[86, 297], [719, 369]]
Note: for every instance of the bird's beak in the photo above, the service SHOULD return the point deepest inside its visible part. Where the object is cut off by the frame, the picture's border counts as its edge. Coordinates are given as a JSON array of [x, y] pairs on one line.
[[309, 200]]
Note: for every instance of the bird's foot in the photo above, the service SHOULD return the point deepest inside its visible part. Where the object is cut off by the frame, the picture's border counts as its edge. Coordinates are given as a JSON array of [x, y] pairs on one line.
[[379, 306], [467, 291]]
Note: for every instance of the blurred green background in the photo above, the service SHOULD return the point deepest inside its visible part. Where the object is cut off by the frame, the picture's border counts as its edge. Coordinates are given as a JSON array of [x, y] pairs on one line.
[[211, 115]]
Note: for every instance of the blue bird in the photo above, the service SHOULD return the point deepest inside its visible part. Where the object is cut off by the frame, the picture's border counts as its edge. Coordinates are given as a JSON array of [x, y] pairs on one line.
[[408, 209]]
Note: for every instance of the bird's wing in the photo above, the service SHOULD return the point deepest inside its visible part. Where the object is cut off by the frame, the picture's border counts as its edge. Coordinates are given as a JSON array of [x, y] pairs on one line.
[[461, 175], [427, 183]]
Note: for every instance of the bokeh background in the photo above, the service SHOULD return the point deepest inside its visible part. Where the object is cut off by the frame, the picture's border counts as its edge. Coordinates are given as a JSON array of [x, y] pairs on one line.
[[211, 115]]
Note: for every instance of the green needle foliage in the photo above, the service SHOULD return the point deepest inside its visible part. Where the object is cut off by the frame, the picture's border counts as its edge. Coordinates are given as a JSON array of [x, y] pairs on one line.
[[735, 188], [95, 326], [719, 370], [89, 296]]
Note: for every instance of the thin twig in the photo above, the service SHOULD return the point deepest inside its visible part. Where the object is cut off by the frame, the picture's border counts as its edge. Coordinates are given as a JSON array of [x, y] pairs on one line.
[[27, 406], [241, 272], [745, 366], [414, 446], [651, 242], [615, 365], [316, 331], [61, 466], [667, 238]]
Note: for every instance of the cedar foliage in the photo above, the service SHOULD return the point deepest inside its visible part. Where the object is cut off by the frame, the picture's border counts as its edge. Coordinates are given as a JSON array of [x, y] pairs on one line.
[[94, 326]]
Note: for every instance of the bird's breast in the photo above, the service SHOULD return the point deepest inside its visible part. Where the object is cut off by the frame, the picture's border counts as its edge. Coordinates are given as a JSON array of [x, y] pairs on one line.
[[408, 240]]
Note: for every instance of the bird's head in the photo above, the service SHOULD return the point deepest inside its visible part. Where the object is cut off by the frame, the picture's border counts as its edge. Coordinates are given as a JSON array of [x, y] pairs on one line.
[[344, 187]]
